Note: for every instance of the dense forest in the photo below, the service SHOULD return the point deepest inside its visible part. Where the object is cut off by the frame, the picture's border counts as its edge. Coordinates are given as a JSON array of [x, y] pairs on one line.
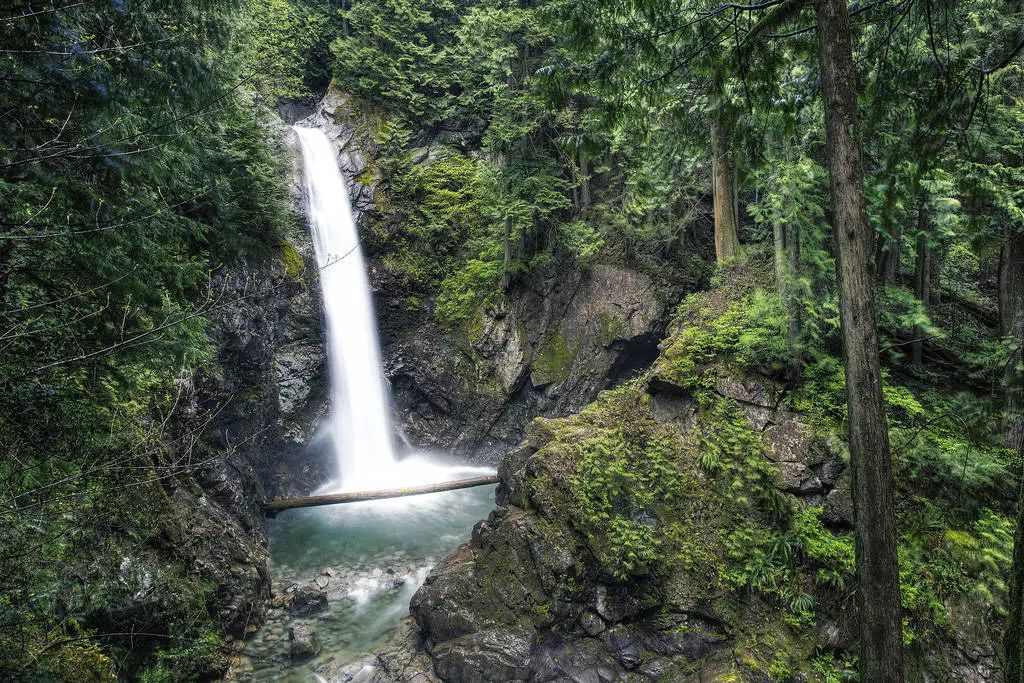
[[828, 196]]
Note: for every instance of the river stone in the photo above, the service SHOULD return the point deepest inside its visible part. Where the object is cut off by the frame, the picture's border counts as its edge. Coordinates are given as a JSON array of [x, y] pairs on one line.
[[307, 600], [302, 642], [839, 503], [615, 604]]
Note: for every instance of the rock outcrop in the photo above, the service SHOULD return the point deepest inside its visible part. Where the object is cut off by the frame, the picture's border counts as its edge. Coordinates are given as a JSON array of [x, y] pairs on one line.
[[693, 526]]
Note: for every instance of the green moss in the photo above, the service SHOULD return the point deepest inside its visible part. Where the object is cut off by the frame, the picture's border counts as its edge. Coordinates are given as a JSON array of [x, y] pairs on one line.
[[725, 335], [294, 265], [555, 359], [367, 177], [608, 328]]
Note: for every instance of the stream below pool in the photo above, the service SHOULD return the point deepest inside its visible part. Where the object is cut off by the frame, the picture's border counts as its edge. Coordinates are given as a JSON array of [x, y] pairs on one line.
[[369, 559]]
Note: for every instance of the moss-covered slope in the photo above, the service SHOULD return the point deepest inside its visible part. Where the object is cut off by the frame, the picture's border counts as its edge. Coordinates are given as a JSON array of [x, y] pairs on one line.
[[695, 525]]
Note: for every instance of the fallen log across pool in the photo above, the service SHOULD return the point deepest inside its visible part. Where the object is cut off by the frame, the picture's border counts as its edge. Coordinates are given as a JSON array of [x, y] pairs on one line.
[[272, 507]]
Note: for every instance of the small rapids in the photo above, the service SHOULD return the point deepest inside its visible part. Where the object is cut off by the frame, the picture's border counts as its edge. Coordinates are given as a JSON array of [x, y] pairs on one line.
[[369, 559]]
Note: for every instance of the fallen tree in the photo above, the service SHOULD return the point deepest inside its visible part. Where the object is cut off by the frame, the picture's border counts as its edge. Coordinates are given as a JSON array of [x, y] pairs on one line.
[[272, 507]]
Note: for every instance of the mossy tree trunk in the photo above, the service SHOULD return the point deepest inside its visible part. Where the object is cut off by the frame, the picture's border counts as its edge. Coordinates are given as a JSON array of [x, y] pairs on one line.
[[727, 242], [1015, 622], [584, 182], [506, 244], [889, 261], [723, 173], [787, 255], [922, 279], [1011, 318], [878, 587]]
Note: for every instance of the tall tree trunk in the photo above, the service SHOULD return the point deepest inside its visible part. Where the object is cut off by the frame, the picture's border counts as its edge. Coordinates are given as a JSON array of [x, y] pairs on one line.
[[1014, 644], [779, 244], [1011, 319], [922, 279], [727, 243], [787, 256], [584, 182], [793, 303], [506, 243], [1011, 322], [878, 584], [735, 193], [889, 263]]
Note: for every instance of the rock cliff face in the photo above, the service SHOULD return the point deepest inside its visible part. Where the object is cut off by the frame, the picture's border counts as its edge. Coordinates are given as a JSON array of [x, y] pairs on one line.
[[249, 418], [546, 349]]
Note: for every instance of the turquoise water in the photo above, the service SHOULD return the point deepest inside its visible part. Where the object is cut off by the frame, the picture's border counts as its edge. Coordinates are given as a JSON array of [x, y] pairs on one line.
[[369, 558]]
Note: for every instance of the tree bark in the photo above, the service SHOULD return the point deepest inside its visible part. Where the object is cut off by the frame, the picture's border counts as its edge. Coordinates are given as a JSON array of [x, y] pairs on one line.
[[584, 182], [787, 257], [878, 587], [922, 279], [793, 303], [1014, 645], [779, 244], [1011, 323], [727, 243], [1011, 319], [889, 263]]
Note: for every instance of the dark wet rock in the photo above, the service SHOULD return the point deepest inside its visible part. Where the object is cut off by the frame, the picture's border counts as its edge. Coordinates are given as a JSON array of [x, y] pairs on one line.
[[667, 407], [564, 659], [805, 463], [839, 503], [307, 600], [493, 655], [752, 390], [659, 384], [547, 349], [621, 645], [591, 624], [302, 643], [615, 603]]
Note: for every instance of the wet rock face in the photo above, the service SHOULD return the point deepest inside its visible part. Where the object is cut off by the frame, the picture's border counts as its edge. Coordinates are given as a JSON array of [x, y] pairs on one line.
[[248, 418], [307, 600], [548, 349]]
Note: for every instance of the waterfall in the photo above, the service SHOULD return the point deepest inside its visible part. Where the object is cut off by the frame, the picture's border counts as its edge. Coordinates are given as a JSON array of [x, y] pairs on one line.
[[359, 426]]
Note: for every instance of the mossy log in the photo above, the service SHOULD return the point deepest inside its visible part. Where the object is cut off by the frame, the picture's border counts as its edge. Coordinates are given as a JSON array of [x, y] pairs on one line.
[[272, 507]]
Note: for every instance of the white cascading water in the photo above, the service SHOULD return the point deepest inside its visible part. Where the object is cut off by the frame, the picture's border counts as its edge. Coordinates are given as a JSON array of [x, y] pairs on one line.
[[359, 426]]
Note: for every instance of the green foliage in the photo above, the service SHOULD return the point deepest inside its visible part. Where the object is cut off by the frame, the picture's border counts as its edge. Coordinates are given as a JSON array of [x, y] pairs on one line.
[[395, 53], [190, 662], [619, 484], [774, 562], [294, 265], [468, 289], [728, 445], [147, 167], [747, 335], [554, 360], [289, 42]]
